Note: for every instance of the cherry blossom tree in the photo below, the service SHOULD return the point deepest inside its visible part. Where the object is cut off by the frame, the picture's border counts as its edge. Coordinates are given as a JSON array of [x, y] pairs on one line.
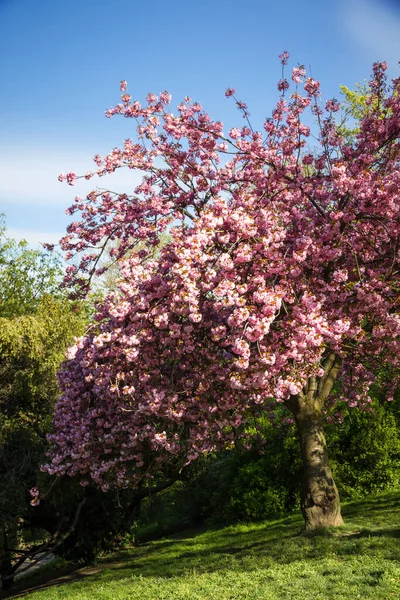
[[279, 284]]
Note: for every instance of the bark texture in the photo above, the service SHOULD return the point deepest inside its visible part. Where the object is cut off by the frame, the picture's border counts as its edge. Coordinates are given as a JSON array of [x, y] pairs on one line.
[[320, 500]]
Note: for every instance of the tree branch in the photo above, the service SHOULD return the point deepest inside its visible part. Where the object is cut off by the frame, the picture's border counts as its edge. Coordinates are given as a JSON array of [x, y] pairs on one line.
[[44, 546], [331, 371]]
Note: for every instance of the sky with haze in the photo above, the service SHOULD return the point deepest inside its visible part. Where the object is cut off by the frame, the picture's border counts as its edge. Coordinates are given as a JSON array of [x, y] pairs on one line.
[[61, 63]]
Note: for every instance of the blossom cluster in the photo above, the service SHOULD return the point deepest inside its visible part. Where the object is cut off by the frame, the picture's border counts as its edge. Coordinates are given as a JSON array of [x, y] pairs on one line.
[[277, 257]]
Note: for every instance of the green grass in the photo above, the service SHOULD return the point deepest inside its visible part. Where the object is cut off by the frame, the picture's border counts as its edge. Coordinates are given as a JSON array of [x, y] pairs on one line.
[[268, 561]]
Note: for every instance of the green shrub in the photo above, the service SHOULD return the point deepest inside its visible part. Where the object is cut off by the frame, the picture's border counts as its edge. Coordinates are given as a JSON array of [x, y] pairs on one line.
[[365, 452], [262, 483], [235, 485], [252, 497]]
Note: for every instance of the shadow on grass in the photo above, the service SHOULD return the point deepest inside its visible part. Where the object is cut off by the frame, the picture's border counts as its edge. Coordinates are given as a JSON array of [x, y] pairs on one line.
[[368, 533], [41, 580], [372, 526], [366, 507]]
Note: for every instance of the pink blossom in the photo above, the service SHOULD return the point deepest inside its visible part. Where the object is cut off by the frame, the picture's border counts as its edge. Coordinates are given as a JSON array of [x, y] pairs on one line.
[[284, 57], [235, 133], [332, 105], [298, 73], [269, 268], [283, 85], [70, 177], [311, 86]]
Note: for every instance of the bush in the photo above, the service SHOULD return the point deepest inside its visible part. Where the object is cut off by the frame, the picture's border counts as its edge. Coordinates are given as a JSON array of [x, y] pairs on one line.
[[235, 485], [365, 452], [252, 497], [106, 522], [263, 483]]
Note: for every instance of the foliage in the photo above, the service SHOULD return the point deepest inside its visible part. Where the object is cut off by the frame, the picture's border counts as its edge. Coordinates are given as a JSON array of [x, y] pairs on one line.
[[354, 108], [31, 349], [25, 276], [253, 497], [105, 520], [236, 485], [278, 278], [251, 485], [357, 104], [229, 489], [267, 560], [365, 452], [255, 484], [36, 325]]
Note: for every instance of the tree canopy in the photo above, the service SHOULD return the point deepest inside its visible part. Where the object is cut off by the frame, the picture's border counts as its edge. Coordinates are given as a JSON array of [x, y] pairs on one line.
[[26, 274], [280, 278]]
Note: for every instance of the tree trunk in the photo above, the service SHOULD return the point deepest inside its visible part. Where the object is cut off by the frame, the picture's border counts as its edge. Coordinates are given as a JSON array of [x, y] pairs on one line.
[[320, 501]]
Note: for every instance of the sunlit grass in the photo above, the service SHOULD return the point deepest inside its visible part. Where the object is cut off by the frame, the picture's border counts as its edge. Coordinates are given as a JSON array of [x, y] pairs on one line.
[[258, 561]]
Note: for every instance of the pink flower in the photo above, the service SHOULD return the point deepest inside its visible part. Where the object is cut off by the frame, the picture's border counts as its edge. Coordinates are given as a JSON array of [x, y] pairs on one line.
[[298, 73], [284, 57], [332, 105], [235, 133], [242, 348], [195, 317], [165, 97], [71, 178], [311, 86], [341, 275], [308, 159], [230, 92], [283, 85]]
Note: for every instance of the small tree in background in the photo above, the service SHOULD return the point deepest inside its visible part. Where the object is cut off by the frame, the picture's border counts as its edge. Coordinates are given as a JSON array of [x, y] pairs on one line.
[[25, 275], [280, 282], [37, 324]]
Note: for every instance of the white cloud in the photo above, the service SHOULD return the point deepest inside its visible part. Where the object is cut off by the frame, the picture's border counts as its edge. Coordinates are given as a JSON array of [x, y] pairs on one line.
[[32, 177], [374, 27], [33, 198], [34, 237]]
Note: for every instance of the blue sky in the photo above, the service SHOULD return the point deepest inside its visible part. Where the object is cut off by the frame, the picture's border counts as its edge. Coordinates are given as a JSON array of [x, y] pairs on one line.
[[61, 63]]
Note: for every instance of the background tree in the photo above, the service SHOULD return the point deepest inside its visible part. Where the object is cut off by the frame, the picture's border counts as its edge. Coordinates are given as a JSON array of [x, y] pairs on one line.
[[281, 275], [31, 349], [25, 275], [36, 326]]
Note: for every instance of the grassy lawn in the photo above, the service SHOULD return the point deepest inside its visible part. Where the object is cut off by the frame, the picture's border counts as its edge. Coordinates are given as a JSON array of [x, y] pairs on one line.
[[258, 561]]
